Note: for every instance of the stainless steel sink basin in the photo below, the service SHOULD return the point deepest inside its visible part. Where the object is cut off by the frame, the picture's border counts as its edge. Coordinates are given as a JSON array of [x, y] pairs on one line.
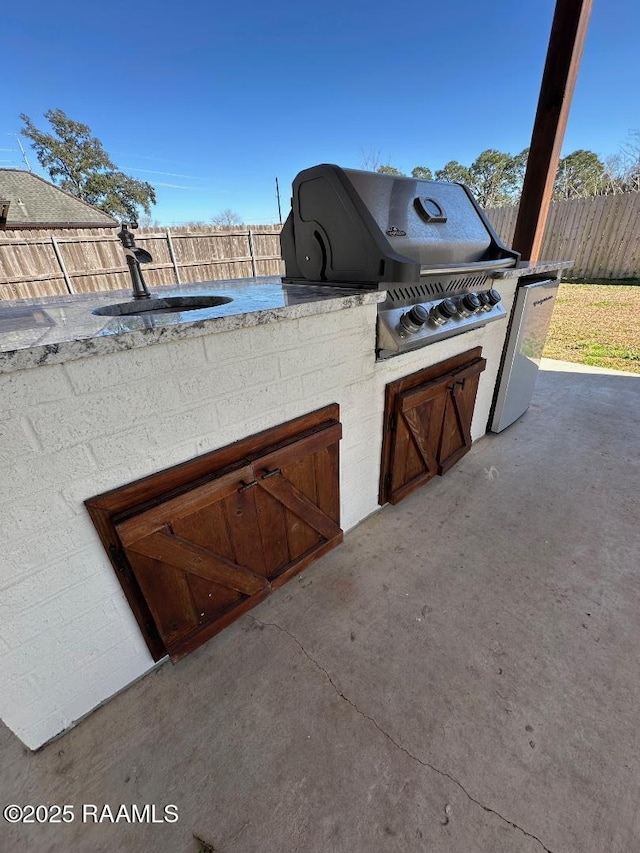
[[161, 305]]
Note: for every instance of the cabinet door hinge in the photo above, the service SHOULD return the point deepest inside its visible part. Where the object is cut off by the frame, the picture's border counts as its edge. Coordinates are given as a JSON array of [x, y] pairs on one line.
[[387, 481], [392, 423]]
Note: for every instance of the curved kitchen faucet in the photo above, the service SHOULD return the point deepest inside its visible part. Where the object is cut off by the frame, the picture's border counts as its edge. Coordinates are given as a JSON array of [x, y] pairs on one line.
[[135, 256]]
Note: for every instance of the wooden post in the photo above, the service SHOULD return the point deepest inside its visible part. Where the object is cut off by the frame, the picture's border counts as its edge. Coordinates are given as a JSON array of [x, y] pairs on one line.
[[252, 253], [566, 42], [278, 197], [61, 264], [173, 257]]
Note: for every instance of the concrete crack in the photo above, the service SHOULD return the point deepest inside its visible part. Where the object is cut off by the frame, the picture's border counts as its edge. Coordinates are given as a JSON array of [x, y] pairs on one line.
[[395, 743]]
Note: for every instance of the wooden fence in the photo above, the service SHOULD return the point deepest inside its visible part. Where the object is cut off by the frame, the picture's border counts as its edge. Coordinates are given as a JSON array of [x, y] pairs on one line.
[[601, 234], [45, 263]]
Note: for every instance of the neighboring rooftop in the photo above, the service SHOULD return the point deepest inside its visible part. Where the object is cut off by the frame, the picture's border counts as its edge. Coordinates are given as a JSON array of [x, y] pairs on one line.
[[35, 203]]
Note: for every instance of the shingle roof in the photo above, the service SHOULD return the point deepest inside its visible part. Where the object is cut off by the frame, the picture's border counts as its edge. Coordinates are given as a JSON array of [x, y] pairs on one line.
[[35, 203]]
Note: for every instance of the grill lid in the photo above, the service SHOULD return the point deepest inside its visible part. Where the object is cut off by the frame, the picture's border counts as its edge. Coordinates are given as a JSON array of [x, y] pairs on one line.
[[348, 226]]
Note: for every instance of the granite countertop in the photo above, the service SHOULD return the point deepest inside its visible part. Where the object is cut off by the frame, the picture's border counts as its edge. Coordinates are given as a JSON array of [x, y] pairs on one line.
[[537, 268], [56, 329]]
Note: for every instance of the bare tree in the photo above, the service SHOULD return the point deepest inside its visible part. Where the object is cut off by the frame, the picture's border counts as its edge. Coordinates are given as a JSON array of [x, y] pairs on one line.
[[369, 160], [147, 221], [631, 162], [227, 217], [614, 176]]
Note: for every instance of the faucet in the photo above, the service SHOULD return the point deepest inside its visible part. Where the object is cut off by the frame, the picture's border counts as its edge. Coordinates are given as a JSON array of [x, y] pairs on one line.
[[135, 256]]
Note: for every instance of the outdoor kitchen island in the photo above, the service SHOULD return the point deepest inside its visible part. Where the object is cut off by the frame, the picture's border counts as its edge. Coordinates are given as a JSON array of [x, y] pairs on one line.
[[93, 403]]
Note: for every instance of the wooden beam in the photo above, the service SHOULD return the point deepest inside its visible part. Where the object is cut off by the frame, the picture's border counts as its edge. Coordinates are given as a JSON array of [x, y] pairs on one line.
[[568, 32], [188, 557]]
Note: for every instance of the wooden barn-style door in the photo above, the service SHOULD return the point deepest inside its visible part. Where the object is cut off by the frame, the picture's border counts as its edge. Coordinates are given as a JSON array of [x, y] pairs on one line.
[[427, 423], [196, 557]]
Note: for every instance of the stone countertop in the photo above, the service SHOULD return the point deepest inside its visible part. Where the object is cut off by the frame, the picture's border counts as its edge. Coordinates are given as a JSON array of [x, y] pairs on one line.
[[537, 268], [56, 329]]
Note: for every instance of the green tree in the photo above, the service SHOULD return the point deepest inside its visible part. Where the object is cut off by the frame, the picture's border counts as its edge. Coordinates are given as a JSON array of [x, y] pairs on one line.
[[78, 163], [389, 170], [520, 167], [423, 173], [580, 174], [494, 180], [454, 171]]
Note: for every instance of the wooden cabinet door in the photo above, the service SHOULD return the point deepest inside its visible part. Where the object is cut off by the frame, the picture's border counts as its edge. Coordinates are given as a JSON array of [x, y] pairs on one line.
[[194, 561], [298, 502], [455, 439], [417, 424], [205, 556], [427, 423]]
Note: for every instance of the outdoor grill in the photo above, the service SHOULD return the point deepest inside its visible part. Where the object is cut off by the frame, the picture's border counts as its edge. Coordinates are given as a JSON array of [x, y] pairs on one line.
[[426, 243]]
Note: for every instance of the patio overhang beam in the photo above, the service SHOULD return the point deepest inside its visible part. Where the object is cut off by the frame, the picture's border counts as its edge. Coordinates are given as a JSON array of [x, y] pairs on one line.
[[566, 42]]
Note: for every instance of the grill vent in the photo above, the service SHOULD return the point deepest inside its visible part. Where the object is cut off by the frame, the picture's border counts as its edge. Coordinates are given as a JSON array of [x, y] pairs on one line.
[[428, 289], [423, 290], [469, 283]]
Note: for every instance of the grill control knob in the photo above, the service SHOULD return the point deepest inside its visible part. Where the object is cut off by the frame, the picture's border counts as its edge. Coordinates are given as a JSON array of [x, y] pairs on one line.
[[414, 318], [418, 315], [488, 299], [446, 309], [471, 302]]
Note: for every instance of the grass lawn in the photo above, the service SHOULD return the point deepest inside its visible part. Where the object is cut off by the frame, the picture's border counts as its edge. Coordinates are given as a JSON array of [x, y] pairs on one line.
[[596, 324]]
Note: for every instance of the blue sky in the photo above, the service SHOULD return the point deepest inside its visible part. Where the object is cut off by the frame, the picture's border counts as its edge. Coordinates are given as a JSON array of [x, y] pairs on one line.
[[210, 102]]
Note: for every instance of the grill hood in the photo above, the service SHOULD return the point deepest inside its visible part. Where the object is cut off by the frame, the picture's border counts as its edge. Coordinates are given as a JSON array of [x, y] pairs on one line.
[[351, 227]]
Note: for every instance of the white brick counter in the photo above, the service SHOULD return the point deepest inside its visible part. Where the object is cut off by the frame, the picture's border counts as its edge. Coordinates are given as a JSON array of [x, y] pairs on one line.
[[71, 430]]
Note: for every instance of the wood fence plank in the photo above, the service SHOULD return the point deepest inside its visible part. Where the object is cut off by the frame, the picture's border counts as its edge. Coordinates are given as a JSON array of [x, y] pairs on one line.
[[627, 236], [593, 233], [579, 222], [600, 248], [606, 245], [590, 217], [565, 219], [624, 214], [570, 219]]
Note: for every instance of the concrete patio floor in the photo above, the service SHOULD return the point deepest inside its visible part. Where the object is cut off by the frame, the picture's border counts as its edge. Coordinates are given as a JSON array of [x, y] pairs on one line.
[[461, 675]]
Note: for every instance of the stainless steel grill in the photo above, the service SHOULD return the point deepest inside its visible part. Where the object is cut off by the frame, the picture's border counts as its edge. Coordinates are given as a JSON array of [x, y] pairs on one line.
[[427, 244]]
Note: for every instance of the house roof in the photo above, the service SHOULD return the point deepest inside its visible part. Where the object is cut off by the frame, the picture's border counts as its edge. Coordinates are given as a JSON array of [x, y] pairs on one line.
[[35, 203]]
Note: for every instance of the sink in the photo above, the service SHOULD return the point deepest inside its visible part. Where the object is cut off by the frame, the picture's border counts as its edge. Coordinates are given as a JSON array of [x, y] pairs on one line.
[[161, 305]]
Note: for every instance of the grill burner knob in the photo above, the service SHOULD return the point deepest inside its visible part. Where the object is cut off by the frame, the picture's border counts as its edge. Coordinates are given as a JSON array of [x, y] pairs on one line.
[[418, 315], [471, 302], [413, 319], [446, 309], [489, 297]]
